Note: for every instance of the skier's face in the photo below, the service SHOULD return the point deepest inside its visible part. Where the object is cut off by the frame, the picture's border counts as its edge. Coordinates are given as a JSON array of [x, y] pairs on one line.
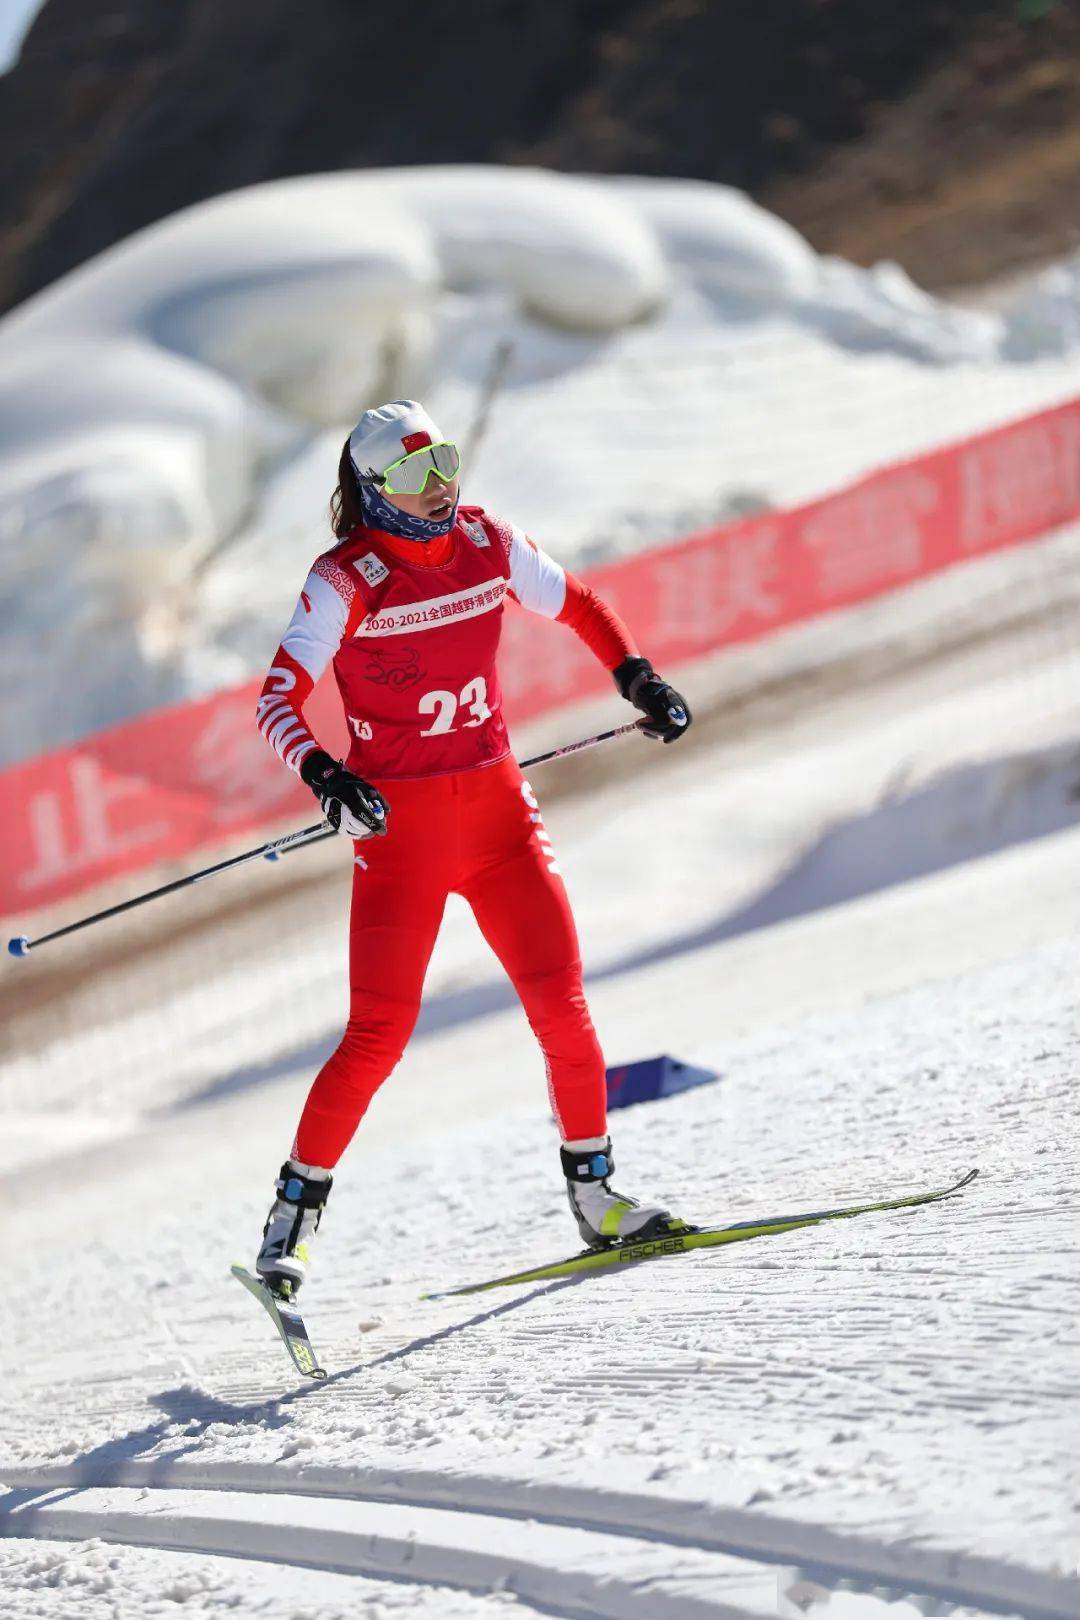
[[435, 502]]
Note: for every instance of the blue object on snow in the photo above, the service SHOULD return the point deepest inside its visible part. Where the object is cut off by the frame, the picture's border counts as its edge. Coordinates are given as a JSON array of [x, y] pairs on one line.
[[651, 1078], [19, 946]]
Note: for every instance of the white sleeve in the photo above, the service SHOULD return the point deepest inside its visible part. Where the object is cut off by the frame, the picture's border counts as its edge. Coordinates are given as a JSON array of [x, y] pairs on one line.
[[315, 633], [535, 578], [317, 627]]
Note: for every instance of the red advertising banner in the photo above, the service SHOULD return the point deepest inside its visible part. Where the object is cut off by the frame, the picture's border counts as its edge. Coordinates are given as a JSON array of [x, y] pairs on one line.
[[178, 779]]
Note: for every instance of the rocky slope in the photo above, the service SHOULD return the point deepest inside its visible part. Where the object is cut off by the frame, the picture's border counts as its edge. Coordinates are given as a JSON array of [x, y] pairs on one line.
[[946, 135]]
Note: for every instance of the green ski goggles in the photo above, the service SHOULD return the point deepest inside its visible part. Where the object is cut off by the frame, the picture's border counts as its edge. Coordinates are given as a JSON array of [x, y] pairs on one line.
[[409, 476]]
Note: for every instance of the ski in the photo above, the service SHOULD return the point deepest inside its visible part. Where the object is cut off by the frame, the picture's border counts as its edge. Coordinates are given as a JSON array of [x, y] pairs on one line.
[[708, 1237], [288, 1321]]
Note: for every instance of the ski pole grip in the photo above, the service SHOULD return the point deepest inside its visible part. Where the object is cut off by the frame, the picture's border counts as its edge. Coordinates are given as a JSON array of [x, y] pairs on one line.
[[20, 946]]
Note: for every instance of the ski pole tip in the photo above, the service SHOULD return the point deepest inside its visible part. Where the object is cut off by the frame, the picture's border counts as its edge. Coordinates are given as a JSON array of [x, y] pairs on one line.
[[19, 946]]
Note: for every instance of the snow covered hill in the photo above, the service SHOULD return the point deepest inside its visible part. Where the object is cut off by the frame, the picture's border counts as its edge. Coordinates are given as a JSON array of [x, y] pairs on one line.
[[172, 412]]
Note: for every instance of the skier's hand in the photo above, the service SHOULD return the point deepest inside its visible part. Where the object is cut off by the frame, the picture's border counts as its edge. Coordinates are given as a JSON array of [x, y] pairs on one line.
[[667, 716], [351, 805]]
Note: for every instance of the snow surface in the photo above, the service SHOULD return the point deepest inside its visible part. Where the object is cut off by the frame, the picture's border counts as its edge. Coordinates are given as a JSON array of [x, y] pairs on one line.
[[94, 1580], [171, 413], [890, 1399]]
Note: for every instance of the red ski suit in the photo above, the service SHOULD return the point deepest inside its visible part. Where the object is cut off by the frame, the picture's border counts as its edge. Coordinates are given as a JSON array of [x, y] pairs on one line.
[[413, 630]]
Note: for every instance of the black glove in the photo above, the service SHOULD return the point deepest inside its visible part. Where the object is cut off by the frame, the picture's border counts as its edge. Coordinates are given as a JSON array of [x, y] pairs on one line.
[[351, 805], [667, 716]]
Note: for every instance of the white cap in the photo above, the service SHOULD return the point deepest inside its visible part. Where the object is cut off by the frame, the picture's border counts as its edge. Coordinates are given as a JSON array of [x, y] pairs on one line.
[[387, 433]]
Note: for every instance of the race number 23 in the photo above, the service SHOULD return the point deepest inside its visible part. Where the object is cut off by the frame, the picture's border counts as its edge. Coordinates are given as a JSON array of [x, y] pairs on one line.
[[444, 706]]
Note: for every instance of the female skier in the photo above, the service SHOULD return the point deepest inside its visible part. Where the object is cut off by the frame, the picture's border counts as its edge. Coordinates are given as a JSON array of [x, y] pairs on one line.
[[408, 604]]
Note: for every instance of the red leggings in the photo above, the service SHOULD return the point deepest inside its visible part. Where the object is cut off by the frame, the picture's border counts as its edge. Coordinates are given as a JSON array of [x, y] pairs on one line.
[[478, 834]]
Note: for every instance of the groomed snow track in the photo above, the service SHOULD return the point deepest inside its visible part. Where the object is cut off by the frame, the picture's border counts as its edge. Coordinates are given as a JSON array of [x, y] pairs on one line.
[[573, 1551]]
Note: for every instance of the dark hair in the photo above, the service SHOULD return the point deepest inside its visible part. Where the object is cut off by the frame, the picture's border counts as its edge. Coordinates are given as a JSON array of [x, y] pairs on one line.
[[346, 507]]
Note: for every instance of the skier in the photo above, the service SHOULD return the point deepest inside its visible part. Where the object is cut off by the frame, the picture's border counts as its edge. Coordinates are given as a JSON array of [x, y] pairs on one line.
[[408, 605]]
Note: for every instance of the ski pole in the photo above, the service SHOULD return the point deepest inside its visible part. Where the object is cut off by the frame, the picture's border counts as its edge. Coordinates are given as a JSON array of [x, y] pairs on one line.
[[21, 946]]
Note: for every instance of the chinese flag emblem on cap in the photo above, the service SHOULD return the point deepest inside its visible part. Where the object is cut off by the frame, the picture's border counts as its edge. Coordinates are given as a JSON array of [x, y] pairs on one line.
[[416, 441]]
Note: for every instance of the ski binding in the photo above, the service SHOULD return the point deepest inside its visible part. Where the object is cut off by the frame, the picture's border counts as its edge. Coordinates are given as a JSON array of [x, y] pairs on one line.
[[288, 1321]]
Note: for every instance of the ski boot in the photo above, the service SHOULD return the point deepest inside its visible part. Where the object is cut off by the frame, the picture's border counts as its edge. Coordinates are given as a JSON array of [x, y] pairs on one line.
[[605, 1217], [290, 1226]]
